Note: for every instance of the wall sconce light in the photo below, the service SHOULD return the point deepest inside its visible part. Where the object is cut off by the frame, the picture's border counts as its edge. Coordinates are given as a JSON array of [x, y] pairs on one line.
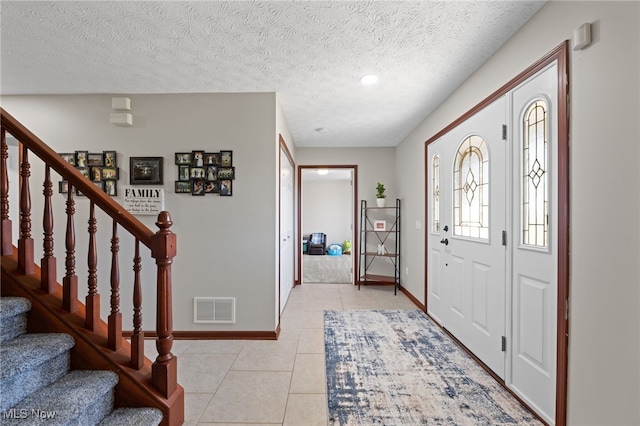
[[582, 36]]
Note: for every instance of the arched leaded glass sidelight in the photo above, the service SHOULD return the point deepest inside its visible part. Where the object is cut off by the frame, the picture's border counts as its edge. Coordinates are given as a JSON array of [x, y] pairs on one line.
[[435, 196], [535, 194], [471, 189]]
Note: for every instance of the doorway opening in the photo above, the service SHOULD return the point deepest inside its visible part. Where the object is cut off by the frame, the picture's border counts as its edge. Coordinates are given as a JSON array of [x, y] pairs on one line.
[[327, 218]]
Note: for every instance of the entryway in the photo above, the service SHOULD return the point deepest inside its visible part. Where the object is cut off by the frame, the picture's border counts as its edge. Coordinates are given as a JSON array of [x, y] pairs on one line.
[[496, 205], [327, 206]]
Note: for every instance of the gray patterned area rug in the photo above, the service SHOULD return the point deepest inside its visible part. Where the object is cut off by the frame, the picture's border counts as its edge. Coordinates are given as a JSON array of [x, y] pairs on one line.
[[398, 368], [326, 269]]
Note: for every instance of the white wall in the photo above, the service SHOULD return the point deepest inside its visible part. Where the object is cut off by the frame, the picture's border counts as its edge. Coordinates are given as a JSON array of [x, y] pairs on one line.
[[604, 335], [327, 207], [217, 236]]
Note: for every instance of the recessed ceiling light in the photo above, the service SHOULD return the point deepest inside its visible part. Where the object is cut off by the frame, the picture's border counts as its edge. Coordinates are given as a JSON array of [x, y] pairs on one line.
[[322, 172], [369, 79]]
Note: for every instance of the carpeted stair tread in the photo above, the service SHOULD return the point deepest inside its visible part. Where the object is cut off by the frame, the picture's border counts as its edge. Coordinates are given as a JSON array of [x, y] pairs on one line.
[[13, 317], [77, 398], [12, 306], [30, 350], [133, 417]]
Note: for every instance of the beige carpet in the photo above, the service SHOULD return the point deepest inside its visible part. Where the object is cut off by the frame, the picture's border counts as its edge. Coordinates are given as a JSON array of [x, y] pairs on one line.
[[326, 269]]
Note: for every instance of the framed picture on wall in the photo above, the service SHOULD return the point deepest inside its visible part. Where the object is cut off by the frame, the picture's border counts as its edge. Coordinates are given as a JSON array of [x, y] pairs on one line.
[[226, 173], [183, 173], [95, 159], [109, 159], [69, 157], [183, 158], [183, 187], [198, 186], [82, 158], [225, 188], [226, 158], [145, 170]]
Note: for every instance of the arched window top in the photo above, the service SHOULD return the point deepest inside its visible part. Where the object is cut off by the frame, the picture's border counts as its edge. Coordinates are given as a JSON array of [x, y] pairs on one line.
[[535, 158], [471, 188]]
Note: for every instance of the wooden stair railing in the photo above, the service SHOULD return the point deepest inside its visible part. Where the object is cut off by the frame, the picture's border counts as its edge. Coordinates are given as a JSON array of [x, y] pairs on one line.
[[157, 381]]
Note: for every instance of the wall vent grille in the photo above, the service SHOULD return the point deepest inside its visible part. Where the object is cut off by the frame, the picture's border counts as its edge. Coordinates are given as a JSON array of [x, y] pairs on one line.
[[221, 310]]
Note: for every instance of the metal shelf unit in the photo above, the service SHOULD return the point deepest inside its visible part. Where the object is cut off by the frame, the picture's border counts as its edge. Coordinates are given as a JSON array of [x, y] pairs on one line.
[[370, 235]]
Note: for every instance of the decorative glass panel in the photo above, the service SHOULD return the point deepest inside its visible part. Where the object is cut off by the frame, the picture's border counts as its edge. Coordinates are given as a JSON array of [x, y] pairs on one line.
[[471, 189], [436, 194], [535, 201]]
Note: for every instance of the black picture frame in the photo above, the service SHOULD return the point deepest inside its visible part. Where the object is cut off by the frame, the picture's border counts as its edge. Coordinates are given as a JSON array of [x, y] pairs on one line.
[[95, 173], [109, 159], [145, 171], [212, 187], [95, 159], [197, 187], [183, 186], [182, 158], [84, 171], [110, 173], [63, 186], [211, 173], [226, 188], [111, 187], [226, 173], [197, 158], [69, 157], [211, 158], [184, 172], [82, 158], [226, 158], [196, 173]]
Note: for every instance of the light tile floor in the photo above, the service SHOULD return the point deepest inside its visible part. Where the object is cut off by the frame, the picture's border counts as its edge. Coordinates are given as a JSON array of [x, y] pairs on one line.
[[253, 382]]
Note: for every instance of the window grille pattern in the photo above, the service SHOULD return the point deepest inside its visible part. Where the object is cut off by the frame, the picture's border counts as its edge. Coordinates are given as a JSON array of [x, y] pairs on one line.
[[435, 202], [535, 194], [471, 189]]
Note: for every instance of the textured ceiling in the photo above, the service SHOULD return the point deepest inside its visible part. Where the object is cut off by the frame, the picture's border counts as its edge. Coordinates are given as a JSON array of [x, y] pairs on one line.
[[311, 52]]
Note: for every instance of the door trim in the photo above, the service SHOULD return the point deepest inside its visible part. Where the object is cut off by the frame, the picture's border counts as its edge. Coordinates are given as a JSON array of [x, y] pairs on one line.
[[283, 147], [354, 242], [561, 55]]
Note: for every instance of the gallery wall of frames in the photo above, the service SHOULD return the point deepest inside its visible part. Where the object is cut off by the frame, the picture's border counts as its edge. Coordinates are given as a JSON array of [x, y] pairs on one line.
[[201, 173], [99, 167]]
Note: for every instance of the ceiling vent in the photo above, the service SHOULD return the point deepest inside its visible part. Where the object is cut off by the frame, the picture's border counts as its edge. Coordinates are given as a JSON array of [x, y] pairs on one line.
[[221, 310]]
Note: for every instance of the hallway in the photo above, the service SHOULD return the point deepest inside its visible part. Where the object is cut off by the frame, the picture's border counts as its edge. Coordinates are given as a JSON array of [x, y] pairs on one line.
[[271, 382]]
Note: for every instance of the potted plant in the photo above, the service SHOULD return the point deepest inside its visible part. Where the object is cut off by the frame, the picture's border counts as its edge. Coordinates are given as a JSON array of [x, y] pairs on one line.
[[380, 195]]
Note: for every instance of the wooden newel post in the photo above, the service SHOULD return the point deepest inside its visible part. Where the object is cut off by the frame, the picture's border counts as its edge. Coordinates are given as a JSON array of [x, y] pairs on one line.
[[164, 371]]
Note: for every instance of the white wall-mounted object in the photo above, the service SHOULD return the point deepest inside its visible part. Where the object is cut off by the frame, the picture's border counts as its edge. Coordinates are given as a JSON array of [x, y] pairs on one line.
[[121, 118], [582, 36], [214, 310], [121, 104]]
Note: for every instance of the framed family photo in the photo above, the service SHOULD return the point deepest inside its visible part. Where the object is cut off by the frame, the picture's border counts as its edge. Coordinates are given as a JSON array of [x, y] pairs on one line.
[[145, 171]]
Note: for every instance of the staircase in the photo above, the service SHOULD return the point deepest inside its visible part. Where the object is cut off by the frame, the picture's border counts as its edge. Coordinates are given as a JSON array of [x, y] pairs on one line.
[[70, 363], [37, 387]]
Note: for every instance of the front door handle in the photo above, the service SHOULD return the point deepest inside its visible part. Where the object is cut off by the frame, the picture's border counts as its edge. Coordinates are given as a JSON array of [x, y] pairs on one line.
[[444, 241]]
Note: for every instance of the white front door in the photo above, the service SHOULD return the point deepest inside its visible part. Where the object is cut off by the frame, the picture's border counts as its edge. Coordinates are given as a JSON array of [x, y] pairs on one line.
[[535, 242], [472, 167], [286, 229], [481, 183]]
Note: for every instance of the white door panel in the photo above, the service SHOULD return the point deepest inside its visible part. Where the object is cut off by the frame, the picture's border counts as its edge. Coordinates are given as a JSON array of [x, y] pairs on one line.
[[534, 277], [286, 229], [472, 268]]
